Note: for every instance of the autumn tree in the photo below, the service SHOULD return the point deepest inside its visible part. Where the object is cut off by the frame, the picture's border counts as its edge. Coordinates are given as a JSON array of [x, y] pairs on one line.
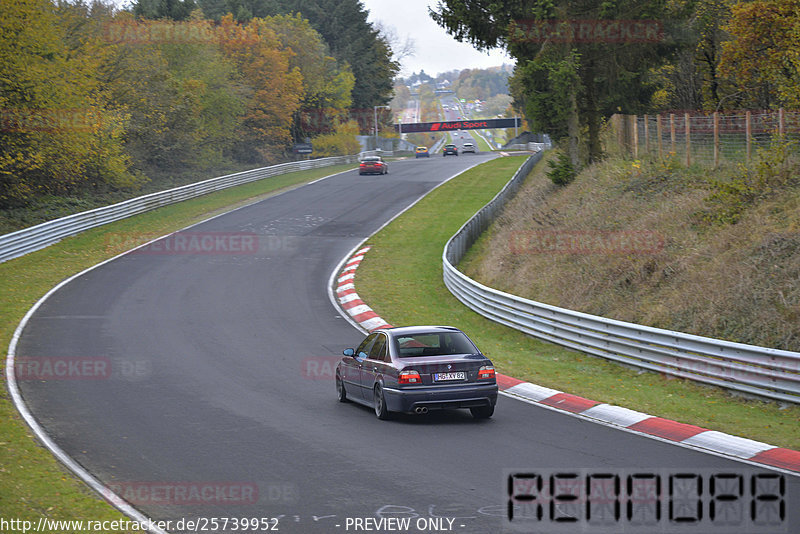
[[352, 40], [57, 135], [275, 87], [327, 86], [764, 53]]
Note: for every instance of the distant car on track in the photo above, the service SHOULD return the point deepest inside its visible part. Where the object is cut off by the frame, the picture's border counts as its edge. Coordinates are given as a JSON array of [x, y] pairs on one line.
[[373, 165], [468, 147], [415, 369], [450, 149], [422, 152]]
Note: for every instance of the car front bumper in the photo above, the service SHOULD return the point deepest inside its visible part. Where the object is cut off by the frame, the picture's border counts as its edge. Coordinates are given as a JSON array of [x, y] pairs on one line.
[[440, 397]]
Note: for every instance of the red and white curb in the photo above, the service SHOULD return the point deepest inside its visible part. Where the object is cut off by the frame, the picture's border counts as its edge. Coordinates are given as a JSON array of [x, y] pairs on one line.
[[349, 300], [617, 416]]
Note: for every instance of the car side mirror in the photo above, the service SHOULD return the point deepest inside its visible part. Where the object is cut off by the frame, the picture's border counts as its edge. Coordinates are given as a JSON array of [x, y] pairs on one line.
[[349, 352]]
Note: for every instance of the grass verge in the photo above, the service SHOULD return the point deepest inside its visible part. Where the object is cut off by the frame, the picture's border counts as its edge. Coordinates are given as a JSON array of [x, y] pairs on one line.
[[33, 483], [482, 144], [408, 289]]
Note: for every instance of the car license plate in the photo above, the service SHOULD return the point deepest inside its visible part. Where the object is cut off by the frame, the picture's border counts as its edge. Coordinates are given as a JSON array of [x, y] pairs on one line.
[[441, 377]]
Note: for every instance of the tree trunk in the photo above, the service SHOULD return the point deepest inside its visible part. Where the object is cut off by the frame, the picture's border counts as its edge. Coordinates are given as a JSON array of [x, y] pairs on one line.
[[573, 130]]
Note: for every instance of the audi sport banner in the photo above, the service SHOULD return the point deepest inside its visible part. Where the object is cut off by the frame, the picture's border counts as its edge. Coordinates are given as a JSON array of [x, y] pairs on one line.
[[447, 126]]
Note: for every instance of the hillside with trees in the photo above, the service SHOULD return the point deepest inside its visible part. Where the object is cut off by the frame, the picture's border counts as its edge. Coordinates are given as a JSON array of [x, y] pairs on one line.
[[573, 72], [98, 104]]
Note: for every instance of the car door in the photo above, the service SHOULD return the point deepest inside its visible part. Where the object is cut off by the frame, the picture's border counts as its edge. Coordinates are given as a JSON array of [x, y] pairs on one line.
[[352, 370], [373, 366]]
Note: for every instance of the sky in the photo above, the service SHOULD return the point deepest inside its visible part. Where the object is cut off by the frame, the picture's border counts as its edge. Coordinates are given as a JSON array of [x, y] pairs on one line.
[[436, 51]]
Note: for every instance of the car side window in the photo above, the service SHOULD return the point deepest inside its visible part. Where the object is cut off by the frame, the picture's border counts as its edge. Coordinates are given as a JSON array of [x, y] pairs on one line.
[[378, 351], [363, 350]]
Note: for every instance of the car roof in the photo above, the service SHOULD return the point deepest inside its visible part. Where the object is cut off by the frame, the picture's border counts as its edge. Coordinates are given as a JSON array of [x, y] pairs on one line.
[[371, 158], [411, 330]]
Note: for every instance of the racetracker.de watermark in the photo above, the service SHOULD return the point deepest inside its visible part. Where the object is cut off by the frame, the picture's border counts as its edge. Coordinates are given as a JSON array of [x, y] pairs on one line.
[[587, 31], [188, 243], [154, 32], [81, 368], [586, 242], [183, 493], [319, 367], [51, 120], [62, 368]]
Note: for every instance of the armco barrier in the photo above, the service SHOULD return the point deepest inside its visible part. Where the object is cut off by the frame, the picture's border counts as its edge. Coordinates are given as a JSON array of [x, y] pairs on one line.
[[748, 369], [27, 240]]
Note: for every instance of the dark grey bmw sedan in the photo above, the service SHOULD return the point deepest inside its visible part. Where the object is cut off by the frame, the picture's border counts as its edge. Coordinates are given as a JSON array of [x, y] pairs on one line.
[[414, 369]]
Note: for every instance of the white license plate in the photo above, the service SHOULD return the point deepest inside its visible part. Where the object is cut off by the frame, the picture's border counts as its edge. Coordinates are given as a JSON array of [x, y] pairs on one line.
[[441, 377]]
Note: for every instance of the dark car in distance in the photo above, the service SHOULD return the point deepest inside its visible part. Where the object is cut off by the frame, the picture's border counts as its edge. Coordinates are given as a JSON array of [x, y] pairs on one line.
[[373, 165], [415, 369], [450, 149]]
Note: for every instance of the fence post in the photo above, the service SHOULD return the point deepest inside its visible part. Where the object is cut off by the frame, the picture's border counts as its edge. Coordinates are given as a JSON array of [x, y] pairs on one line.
[[658, 135], [646, 135], [748, 133], [635, 136], [619, 124], [781, 122], [672, 132], [716, 139], [687, 128]]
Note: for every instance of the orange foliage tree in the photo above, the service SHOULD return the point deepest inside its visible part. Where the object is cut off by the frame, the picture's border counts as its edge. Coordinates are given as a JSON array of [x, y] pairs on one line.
[[275, 88]]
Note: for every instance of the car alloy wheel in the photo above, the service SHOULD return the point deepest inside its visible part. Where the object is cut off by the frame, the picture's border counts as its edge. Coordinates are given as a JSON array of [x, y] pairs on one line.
[[380, 404], [341, 394]]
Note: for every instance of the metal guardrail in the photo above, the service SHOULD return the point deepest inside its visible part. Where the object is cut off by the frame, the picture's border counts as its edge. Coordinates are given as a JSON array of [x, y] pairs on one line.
[[381, 153], [748, 369], [437, 145], [21, 242]]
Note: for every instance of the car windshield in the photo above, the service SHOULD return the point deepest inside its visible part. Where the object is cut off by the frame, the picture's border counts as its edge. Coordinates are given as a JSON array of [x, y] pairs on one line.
[[433, 344], [371, 160]]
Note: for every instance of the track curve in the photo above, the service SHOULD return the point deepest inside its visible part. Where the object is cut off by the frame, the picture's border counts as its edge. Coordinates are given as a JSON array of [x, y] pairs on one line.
[[210, 391]]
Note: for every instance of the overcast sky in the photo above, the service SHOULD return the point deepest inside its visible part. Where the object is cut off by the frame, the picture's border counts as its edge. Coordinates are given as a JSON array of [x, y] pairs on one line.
[[436, 51]]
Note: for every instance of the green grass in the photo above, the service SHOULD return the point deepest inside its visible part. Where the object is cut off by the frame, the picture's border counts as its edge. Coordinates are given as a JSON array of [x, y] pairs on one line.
[[407, 289], [483, 146], [32, 483]]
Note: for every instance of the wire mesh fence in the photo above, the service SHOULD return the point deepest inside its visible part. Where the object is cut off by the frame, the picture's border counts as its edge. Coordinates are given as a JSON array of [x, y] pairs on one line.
[[699, 138]]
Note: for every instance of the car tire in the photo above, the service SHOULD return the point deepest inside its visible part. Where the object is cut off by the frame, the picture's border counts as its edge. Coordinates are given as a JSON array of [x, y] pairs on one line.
[[380, 404], [341, 394], [482, 412]]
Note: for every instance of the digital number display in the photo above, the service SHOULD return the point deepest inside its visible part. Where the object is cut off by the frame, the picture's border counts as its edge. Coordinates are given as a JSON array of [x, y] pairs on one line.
[[664, 501]]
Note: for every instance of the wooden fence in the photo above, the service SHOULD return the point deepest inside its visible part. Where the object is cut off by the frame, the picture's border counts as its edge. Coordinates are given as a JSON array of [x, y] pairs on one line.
[[706, 139]]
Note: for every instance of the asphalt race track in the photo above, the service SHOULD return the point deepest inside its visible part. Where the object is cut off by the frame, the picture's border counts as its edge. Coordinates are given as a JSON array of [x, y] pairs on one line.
[[204, 383]]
